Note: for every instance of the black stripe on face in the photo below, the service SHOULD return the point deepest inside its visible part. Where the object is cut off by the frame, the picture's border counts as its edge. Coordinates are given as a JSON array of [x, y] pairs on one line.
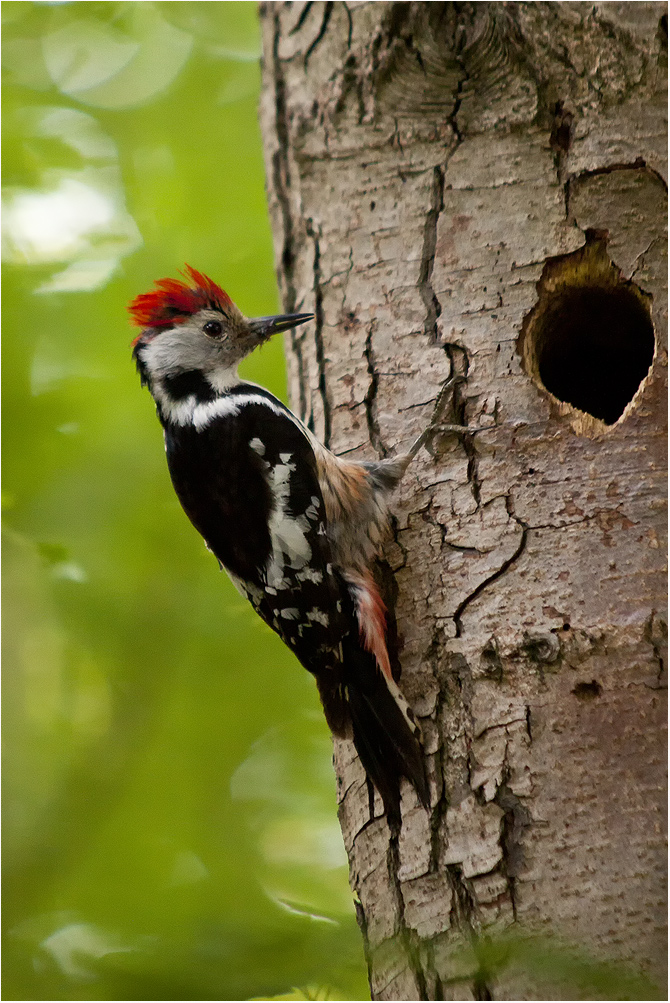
[[191, 383]]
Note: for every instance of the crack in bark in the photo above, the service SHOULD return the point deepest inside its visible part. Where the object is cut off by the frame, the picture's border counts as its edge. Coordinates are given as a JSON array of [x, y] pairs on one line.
[[303, 17], [281, 171], [397, 141], [514, 823], [431, 968], [639, 164], [464, 917], [428, 295], [591, 517], [327, 14], [473, 469], [430, 300], [460, 365], [282, 183], [656, 634], [296, 349], [505, 566], [370, 399], [361, 919], [351, 23], [480, 988], [464, 905], [560, 139], [453, 117], [408, 937], [312, 231], [345, 273], [439, 809], [636, 267]]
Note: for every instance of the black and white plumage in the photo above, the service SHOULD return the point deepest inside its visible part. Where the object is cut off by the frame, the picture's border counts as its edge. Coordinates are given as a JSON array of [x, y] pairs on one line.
[[297, 528]]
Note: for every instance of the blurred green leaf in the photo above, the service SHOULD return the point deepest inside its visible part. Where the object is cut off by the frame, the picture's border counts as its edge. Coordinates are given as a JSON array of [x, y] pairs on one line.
[[119, 65], [146, 707], [309, 993]]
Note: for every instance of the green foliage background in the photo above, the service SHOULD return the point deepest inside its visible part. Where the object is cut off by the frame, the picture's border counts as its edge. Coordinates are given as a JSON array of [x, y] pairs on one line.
[[169, 808]]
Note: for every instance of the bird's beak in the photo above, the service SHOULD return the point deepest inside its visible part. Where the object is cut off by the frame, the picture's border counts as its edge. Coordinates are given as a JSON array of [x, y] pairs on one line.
[[263, 327]]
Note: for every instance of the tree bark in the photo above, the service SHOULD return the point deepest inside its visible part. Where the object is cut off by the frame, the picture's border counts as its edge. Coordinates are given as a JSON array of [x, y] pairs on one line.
[[476, 190]]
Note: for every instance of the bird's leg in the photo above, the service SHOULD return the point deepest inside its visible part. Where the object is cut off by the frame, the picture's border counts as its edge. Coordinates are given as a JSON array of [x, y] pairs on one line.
[[388, 472], [444, 405]]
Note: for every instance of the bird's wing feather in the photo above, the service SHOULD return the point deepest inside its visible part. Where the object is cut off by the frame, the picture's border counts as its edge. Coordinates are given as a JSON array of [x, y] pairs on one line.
[[249, 484], [251, 487]]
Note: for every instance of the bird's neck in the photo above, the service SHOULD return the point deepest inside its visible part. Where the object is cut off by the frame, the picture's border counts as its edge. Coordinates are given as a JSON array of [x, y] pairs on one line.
[[178, 395]]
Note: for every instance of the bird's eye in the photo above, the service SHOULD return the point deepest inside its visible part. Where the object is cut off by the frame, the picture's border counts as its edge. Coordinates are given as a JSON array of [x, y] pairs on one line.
[[213, 328]]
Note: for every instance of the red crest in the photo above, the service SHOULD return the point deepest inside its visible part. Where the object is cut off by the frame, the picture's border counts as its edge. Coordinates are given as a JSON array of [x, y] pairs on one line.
[[173, 301]]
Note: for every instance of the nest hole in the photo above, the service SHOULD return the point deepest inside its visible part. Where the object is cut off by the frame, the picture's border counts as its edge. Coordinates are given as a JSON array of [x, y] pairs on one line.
[[589, 340], [595, 348]]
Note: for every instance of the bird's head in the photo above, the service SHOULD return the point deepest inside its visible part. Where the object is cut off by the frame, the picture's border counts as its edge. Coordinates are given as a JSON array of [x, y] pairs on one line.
[[194, 327]]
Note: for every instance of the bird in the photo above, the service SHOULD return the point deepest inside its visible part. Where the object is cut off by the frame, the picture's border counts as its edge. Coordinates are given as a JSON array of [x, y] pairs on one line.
[[298, 529]]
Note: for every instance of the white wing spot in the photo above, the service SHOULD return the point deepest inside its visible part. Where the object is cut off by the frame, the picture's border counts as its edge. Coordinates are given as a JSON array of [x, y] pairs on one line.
[[290, 546], [309, 575], [257, 446], [318, 616]]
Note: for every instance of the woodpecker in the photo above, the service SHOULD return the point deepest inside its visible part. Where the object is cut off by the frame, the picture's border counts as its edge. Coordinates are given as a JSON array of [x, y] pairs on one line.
[[297, 528]]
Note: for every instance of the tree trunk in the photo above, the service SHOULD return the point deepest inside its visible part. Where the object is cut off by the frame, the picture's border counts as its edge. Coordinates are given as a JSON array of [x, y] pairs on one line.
[[476, 190]]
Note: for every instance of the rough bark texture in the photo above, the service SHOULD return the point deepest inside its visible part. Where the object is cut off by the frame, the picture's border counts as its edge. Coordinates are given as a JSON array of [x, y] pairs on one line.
[[430, 167]]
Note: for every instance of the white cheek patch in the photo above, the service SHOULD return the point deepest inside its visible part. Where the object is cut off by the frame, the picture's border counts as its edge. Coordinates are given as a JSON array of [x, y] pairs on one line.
[[182, 348]]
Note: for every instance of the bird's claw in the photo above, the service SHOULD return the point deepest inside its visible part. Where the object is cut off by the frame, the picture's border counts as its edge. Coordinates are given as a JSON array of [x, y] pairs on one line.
[[444, 407]]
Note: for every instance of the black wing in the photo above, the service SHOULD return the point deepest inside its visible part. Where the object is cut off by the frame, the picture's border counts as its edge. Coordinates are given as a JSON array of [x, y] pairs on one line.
[[248, 483]]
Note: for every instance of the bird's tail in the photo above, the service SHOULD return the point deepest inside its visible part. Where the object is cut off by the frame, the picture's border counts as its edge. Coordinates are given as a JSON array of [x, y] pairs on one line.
[[376, 715], [364, 697], [386, 739]]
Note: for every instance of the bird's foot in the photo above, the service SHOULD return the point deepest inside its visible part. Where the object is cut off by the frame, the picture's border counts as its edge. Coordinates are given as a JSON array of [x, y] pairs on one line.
[[443, 419]]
